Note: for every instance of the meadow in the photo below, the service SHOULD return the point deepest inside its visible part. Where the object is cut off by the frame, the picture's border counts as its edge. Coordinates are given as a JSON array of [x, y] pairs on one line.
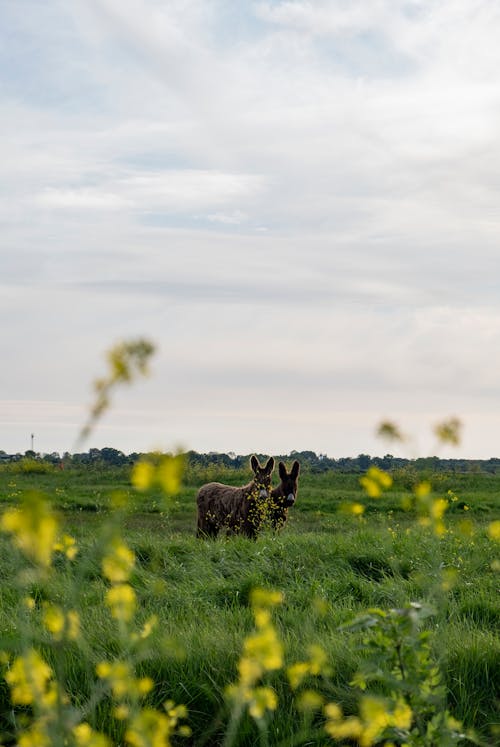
[[330, 562]]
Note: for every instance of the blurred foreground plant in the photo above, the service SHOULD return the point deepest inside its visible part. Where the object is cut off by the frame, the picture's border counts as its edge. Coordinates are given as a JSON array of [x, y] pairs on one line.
[[126, 361]]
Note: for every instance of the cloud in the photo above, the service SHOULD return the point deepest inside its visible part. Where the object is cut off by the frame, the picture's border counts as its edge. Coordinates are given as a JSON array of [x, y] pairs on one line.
[[297, 200]]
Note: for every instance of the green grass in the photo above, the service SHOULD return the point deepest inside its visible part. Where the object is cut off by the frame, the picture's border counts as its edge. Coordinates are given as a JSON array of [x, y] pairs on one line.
[[200, 590]]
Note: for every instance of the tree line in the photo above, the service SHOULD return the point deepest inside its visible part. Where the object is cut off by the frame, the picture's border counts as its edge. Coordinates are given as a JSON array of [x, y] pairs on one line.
[[309, 461]]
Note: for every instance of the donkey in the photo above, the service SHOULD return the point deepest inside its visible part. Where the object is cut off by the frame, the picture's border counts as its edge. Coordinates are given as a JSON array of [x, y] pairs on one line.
[[284, 495], [238, 510]]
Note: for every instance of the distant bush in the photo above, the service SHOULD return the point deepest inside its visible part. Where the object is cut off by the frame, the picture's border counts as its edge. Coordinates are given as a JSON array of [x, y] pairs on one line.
[[28, 466]]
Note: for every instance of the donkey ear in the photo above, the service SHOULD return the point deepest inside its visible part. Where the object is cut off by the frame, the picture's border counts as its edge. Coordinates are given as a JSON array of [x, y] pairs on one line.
[[254, 463], [270, 465], [295, 470], [282, 471]]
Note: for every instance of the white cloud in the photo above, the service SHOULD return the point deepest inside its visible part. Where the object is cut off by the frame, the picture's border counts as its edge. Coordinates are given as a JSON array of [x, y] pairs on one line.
[[300, 208]]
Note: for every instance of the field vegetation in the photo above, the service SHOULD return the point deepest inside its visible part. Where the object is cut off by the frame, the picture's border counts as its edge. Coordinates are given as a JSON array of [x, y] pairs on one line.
[[332, 562], [370, 619]]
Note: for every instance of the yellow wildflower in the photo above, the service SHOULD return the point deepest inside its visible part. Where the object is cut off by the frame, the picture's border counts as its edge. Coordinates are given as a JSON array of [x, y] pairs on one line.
[[338, 727], [149, 728], [85, 736], [297, 673], [263, 699], [35, 736], [265, 648], [309, 700], [53, 619], [317, 659], [143, 475], [67, 546], [144, 685], [423, 489], [170, 472], [249, 670], [265, 598], [375, 481], [438, 508], [30, 680], [494, 531], [356, 509], [34, 528], [118, 564], [147, 628], [121, 600]]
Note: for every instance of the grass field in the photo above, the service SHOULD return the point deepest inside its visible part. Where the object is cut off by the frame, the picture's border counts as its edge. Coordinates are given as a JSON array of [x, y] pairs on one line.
[[330, 566]]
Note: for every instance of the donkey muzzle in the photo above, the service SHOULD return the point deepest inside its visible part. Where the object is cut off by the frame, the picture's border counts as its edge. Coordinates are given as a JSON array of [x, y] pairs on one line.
[[263, 493], [290, 499]]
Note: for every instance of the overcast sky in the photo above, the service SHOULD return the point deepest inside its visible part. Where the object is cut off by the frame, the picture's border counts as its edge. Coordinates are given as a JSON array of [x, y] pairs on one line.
[[297, 201]]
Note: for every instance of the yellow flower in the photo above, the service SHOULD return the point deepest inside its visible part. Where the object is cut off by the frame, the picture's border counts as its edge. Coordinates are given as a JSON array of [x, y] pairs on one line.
[[34, 528], [53, 619], [377, 716], [118, 564], [264, 699], [265, 598], [494, 531], [85, 736], [333, 711], [175, 712], [61, 624], [372, 488], [121, 600], [73, 625], [35, 736], [30, 680], [249, 670], [144, 685], [375, 481], [262, 617], [143, 475], [165, 471], [121, 712], [423, 489], [66, 545], [265, 648], [119, 676], [438, 508], [338, 727], [297, 673], [318, 659], [170, 472], [149, 728], [309, 700], [148, 627]]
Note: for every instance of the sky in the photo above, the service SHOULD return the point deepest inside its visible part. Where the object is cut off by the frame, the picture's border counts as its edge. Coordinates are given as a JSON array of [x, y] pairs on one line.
[[297, 201]]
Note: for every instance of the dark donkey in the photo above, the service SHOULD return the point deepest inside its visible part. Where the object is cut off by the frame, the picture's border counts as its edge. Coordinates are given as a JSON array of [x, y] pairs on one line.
[[238, 510], [284, 495]]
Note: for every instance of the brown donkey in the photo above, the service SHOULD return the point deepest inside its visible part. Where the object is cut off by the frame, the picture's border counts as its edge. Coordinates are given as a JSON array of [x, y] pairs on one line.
[[284, 495], [238, 510]]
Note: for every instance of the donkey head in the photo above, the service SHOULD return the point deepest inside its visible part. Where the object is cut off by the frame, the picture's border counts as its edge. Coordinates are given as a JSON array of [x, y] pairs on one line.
[[262, 475], [289, 483]]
